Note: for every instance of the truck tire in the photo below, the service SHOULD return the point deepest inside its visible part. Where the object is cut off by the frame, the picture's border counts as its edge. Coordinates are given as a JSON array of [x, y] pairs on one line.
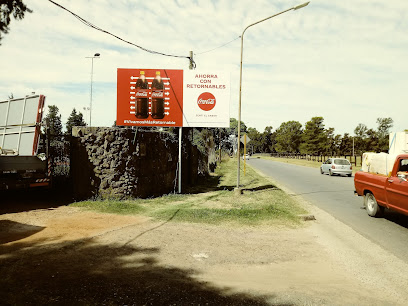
[[371, 205]]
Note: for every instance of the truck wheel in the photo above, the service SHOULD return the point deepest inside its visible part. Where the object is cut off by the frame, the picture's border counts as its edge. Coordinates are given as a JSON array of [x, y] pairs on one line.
[[371, 205]]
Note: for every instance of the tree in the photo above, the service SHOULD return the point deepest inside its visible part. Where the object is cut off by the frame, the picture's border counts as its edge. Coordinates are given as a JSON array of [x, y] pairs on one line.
[[372, 141], [361, 138], [314, 137], [288, 137], [256, 140], [74, 119], [337, 141], [11, 7], [346, 144], [53, 120], [205, 141], [332, 144], [234, 127], [383, 130], [268, 140]]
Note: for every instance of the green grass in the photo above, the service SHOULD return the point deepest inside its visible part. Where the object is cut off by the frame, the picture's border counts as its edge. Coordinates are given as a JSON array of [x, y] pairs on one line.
[[215, 202]]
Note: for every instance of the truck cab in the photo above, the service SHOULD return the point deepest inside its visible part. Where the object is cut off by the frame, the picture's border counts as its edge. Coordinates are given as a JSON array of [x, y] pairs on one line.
[[397, 186]]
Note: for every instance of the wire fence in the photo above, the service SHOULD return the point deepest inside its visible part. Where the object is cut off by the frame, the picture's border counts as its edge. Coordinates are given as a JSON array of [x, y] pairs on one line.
[[354, 159]]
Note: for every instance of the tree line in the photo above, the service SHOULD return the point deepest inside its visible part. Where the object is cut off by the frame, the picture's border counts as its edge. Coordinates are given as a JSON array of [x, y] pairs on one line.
[[315, 139], [290, 137], [54, 123]]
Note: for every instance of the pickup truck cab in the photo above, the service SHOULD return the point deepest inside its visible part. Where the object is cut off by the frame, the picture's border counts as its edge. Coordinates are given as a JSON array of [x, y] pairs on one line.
[[382, 191]]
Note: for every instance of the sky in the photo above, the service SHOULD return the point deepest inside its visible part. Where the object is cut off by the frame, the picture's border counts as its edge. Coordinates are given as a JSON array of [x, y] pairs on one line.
[[345, 61]]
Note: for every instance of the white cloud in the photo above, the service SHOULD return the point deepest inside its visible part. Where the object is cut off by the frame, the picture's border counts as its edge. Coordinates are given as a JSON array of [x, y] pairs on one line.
[[343, 60]]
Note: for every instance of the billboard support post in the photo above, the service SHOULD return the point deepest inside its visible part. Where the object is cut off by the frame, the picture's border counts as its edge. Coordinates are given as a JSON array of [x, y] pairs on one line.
[[181, 132], [179, 159]]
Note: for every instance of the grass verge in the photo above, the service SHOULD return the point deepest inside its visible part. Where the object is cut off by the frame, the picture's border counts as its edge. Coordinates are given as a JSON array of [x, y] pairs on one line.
[[215, 202]]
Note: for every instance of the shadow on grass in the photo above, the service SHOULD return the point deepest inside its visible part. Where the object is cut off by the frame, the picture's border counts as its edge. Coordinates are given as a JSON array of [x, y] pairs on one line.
[[85, 272], [259, 188], [212, 183]]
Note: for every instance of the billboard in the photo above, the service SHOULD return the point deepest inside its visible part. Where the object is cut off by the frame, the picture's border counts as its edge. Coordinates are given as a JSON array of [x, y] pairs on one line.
[[178, 98]]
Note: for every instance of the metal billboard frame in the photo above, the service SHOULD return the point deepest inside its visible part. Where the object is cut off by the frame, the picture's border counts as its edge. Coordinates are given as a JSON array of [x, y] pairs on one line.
[[20, 123]]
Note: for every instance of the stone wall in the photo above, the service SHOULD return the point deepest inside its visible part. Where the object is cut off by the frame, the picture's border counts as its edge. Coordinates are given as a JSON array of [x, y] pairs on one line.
[[120, 162]]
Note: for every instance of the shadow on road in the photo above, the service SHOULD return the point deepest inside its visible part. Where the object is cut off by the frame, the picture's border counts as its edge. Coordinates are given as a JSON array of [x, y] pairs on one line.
[[85, 272], [12, 231], [13, 201], [395, 217]]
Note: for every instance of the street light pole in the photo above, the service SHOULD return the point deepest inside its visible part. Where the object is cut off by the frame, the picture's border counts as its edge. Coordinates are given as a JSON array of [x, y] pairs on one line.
[[240, 79], [96, 55]]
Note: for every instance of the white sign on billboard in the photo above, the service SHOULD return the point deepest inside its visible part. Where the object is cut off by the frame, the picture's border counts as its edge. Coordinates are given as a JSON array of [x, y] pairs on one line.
[[206, 98]]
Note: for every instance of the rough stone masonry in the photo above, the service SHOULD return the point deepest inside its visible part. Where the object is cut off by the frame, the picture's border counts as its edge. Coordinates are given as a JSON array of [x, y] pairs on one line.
[[122, 162]]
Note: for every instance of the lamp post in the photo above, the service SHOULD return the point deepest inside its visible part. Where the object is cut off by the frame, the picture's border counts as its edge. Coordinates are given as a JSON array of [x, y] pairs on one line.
[[85, 110], [96, 55], [240, 78]]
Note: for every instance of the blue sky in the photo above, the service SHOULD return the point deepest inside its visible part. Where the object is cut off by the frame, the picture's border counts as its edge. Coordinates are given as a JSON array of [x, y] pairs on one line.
[[342, 60]]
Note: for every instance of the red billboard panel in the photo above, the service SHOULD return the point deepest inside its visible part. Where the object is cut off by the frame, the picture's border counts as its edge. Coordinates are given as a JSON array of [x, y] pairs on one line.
[[150, 97]]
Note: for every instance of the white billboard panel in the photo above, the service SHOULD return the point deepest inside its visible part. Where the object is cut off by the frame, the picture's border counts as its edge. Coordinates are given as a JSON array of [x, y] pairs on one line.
[[206, 98]]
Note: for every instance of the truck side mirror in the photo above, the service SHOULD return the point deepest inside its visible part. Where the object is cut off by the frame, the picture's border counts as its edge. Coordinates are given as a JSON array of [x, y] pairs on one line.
[[403, 176]]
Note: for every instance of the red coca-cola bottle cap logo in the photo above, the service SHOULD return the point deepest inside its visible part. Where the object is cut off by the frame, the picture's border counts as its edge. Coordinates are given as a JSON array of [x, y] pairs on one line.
[[206, 101]]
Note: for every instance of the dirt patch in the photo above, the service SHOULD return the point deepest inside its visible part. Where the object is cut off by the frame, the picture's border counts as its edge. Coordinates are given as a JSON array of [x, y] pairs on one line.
[[69, 256]]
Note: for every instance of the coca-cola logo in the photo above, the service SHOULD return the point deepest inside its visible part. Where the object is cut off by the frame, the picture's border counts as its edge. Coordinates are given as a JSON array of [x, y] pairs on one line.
[[206, 101], [141, 94], [157, 94]]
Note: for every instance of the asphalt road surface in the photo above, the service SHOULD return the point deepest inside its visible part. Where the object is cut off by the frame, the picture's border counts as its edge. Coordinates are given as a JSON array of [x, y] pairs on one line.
[[335, 195]]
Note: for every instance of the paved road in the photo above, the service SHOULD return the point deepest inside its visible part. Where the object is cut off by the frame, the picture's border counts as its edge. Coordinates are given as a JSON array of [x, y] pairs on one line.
[[335, 195]]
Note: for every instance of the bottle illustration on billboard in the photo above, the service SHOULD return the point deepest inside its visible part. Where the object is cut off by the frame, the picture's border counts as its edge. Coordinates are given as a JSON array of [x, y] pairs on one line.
[[142, 97], [157, 97]]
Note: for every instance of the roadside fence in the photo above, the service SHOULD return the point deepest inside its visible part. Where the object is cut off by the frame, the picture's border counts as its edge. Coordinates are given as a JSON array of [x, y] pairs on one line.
[[354, 159]]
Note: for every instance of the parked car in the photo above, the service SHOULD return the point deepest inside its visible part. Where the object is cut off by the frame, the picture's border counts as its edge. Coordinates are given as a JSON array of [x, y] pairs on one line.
[[246, 156], [339, 166]]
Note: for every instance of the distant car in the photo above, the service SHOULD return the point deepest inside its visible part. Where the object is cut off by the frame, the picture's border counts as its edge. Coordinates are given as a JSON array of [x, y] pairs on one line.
[[339, 166], [246, 156]]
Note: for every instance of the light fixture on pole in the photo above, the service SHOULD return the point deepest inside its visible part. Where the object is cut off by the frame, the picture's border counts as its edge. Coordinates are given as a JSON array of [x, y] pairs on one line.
[[86, 109], [96, 55], [240, 78]]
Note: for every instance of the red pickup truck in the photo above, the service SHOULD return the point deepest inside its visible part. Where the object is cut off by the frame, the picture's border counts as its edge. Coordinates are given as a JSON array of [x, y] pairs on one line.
[[382, 191]]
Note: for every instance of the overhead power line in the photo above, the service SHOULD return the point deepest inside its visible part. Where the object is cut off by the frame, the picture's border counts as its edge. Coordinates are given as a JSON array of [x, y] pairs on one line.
[[89, 24], [218, 46]]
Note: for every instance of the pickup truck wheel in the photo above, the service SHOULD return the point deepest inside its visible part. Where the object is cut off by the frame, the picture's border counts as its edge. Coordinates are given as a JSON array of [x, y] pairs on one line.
[[321, 170], [371, 205]]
